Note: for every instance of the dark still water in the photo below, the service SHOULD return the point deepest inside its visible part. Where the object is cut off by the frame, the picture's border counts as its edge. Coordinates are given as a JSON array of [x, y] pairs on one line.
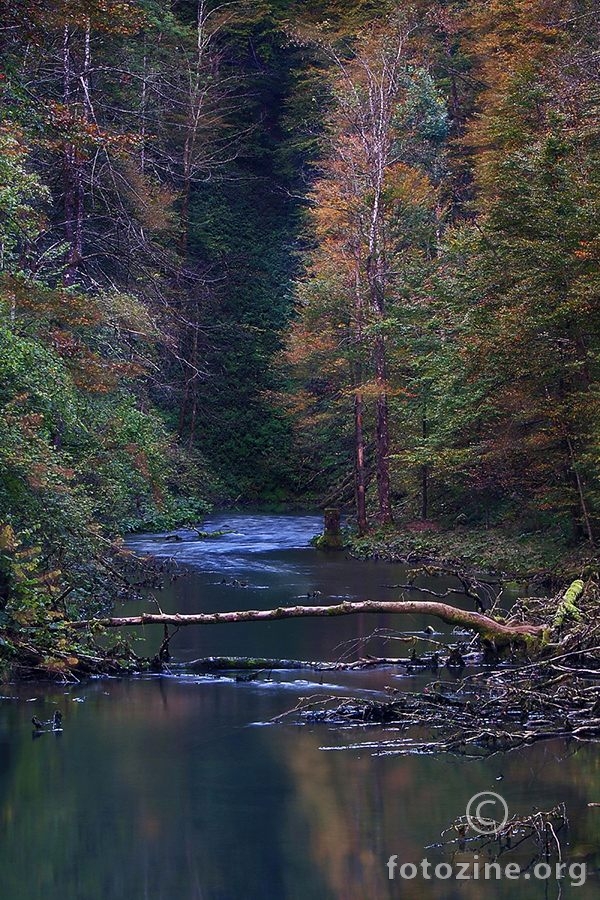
[[178, 787]]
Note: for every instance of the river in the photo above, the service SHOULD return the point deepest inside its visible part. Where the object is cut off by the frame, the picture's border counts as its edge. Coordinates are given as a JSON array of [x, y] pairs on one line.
[[180, 787]]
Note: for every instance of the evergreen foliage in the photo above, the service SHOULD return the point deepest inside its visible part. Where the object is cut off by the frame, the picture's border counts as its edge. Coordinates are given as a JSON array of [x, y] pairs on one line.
[[273, 250]]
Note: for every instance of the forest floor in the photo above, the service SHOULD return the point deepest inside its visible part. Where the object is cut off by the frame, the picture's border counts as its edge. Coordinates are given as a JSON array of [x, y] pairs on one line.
[[493, 551]]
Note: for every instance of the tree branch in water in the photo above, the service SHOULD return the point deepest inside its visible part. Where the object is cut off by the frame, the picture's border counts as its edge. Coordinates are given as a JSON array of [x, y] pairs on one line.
[[483, 625]]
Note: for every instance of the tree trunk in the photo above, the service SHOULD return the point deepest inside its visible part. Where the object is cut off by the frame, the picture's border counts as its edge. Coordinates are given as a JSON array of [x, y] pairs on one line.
[[360, 480], [424, 492], [185, 204], [424, 471], [483, 625], [332, 534], [74, 199], [583, 517], [360, 475], [69, 180], [143, 101], [383, 436]]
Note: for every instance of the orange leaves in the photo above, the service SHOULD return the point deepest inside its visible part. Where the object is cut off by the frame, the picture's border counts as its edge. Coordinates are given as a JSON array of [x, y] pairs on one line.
[[515, 47], [338, 206], [12, 141], [588, 250], [28, 424], [66, 344], [304, 342], [71, 124], [38, 476], [408, 186], [297, 404], [508, 32], [65, 308], [121, 17], [96, 375], [138, 455], [372, 389], [345, 198]]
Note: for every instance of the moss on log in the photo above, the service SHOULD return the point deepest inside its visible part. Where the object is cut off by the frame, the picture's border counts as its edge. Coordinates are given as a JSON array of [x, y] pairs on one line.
[[567, 608], [241, 663]]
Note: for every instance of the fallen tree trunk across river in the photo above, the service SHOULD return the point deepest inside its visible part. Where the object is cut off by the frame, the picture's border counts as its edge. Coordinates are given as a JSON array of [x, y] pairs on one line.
[[487, 628]]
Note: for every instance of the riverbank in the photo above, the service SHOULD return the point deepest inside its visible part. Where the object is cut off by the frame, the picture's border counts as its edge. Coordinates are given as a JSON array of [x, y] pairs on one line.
[[249, 553], [495, 552], [55, 651]]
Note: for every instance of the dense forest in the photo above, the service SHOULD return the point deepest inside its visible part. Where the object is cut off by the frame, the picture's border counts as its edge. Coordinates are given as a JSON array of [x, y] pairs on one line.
[[279, 251]]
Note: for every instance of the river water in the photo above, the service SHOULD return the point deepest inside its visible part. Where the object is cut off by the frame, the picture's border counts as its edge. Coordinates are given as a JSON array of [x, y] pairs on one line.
[[180, 787]]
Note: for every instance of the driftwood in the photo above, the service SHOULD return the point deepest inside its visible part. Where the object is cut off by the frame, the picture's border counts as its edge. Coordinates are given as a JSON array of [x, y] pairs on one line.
[[490, 629], [556, 695]]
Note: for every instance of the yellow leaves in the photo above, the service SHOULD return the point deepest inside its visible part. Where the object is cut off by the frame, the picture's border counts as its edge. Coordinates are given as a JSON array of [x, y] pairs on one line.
[[25, 616], [372, 389], [59, 666], [8, 539], [127, 312], [51, 580]]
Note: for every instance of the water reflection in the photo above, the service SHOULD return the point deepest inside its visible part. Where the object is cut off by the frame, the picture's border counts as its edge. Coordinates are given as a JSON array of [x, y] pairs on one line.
[[159, 788], [166, 788]]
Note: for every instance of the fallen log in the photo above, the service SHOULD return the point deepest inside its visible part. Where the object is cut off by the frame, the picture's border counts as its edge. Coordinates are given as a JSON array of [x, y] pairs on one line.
[[241, 663], [490, 629], [567, 608], [210, 664]]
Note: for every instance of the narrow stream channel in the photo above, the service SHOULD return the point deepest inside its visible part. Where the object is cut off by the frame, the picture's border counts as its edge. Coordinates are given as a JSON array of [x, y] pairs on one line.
[[172, 788]]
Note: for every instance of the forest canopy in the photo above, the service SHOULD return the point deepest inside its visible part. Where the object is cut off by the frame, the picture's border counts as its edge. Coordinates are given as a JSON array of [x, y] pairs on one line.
[[282, 251]]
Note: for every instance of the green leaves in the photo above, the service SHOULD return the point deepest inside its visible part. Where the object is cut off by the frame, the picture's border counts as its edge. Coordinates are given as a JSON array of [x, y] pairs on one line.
[[22, 195]]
